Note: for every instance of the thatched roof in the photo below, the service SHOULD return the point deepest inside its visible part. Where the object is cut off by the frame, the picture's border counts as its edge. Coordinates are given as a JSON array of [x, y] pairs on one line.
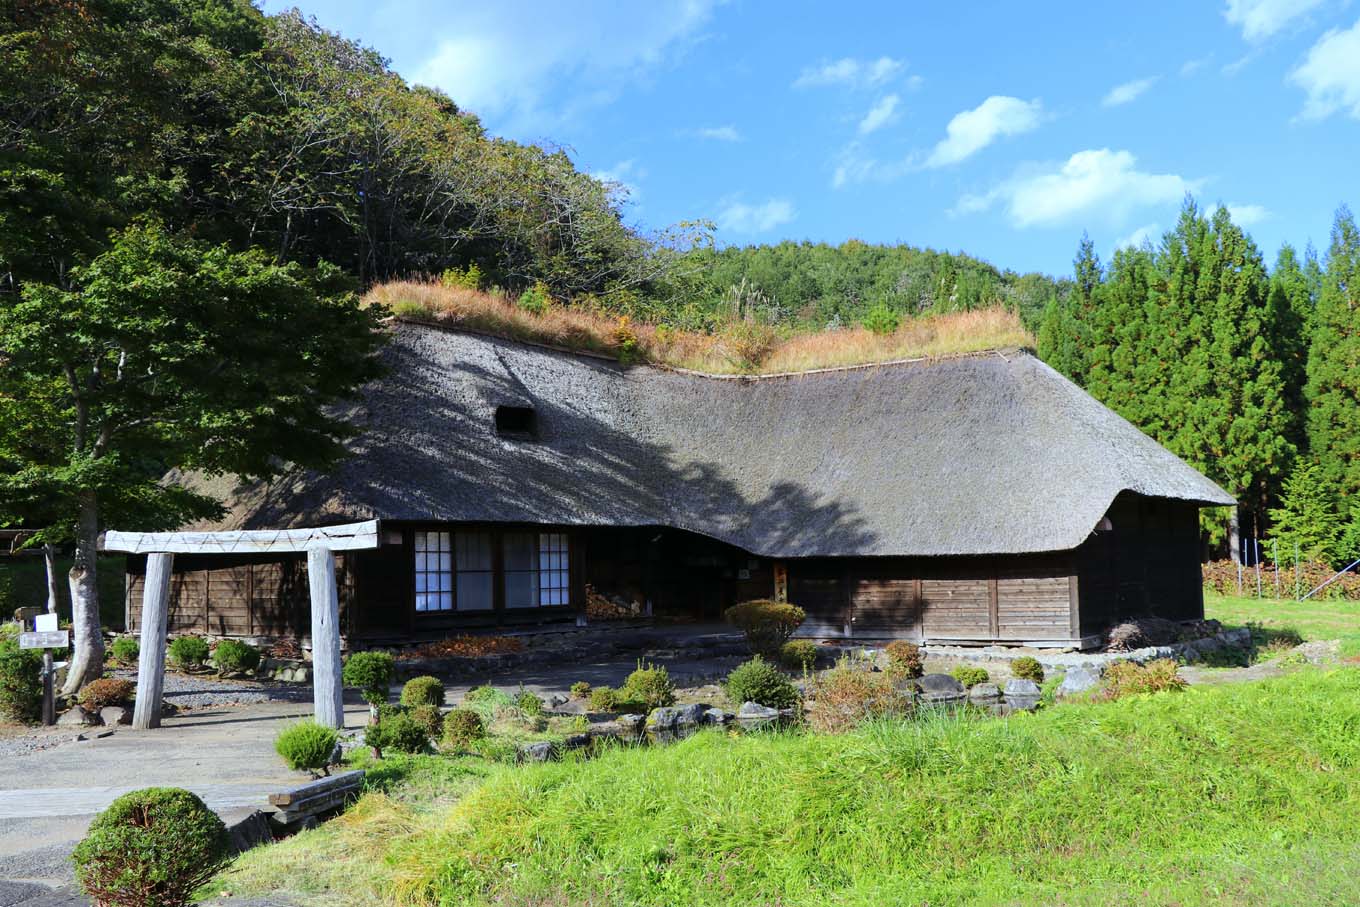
[[979, 454]]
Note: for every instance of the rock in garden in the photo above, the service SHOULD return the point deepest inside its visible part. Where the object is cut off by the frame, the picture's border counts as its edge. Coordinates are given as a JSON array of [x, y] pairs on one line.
[[1078, 680], [630, 723], [984, 692], [690, 715], [536, 752], [754, 711], [1017, 686], [77, 717], [663, 719], [112, 715], [557, 699], [939, 683], [577, 742]]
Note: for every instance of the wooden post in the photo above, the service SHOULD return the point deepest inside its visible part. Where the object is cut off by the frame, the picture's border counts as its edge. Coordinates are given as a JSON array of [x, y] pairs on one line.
[[327, 689], [151, 661]]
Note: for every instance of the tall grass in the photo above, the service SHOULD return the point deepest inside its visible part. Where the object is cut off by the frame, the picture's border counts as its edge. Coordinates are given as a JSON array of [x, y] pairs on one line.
[[740, 348], [1231, 795]]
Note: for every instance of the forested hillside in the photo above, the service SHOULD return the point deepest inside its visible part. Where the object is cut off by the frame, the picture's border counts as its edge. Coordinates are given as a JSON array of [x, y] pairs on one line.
[[1251, 375]]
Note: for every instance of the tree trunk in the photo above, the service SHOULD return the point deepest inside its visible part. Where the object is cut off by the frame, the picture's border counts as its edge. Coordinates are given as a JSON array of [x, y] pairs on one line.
[[87, 649], [1234, 536], [53, 587]]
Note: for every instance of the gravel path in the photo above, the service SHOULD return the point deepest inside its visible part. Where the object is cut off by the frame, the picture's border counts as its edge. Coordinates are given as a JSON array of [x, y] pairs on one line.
[[198, 691]]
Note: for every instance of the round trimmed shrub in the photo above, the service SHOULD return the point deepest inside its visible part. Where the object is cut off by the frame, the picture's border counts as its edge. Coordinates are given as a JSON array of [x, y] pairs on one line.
[[759, 681], [649, 685], [232, 656], [970, 676], [105, 691], [154, 846], [423, 691], [371, 673], [189, 652], [462, 727], [905, 659], [580, 690], [428, 717], [20, 682], [529, 704], [306, 745], [767, 625], [125, 650], [604, 699], [1027, 668], [799, 654], [400, 732]]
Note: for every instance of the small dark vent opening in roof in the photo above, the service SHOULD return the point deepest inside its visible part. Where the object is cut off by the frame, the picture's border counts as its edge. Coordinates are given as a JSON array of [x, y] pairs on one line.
[[520, 422]]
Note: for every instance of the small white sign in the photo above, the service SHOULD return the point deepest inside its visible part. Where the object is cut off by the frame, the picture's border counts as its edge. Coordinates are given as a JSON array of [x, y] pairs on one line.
[[52, 639], [45, 623]]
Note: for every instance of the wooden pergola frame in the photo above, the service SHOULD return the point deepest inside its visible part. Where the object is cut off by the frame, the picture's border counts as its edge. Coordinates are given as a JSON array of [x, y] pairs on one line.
[[320, 544]]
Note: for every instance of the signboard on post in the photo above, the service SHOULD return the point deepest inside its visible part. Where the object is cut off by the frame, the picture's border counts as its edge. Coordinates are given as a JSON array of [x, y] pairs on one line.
[[45, 639]]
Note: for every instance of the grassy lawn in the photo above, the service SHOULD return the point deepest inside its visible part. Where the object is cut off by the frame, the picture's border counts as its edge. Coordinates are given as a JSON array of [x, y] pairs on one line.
[[1313, 619], [1240, 794]]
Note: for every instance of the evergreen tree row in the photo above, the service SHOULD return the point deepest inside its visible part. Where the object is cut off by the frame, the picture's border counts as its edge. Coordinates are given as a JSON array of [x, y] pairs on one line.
[[1252, 376]]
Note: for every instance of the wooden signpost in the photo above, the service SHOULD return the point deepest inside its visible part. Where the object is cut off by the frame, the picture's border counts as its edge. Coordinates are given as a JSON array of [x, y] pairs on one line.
[[45, 636]]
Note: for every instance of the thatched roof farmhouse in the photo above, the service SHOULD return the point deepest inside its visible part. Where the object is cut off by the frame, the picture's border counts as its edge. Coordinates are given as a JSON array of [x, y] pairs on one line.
[[975, 498]]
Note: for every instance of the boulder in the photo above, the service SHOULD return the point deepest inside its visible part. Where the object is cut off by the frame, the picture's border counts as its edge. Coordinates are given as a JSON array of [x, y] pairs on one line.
[[984, 692], [577, 741], [536, 752], [716, 716], [631, 723], [1079, 679], [556, 700], [1017, 686], [939, 683], [944, 698], [112, 715], [690, 715], [666, 718], [754, 711], [77, 717]]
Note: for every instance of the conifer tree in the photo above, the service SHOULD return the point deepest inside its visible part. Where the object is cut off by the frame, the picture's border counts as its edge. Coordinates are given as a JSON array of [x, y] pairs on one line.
[[1057, 339], [1305, 517], [1333, 389], [1292, 300]]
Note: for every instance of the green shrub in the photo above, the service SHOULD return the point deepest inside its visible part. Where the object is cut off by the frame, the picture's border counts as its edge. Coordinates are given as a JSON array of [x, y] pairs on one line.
[[536, 299], [306, 745], [799, 654], [604, 699], [759, 681], [423, 691], [970, 676], [462, 727], [1027, 668], [649, 685], [398, 731], [151, 847], [848, 694], [20, 682], [487, 701], [528, 703], [428, 717], [189, 651], [1127, 678], [905, 659], [580, 690], [232, 656], [469, 278], [767, 625], [371, 673], [105, 691], [125, 650], [882, 320]]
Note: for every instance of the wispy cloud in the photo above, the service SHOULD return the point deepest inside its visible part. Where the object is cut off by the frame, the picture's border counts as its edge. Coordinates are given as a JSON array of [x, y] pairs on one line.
[[530, 66], [881, 114], [1330, 75], [719, 133], [741, 217], [1242, 215], [1139, 236], [1128, 92], [1190, 67], [850, 72], [972, 130], [625, 176], [1259, 19], [1093, 184]]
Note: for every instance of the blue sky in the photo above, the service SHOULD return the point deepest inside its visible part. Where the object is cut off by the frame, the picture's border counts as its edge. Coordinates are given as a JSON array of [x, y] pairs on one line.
[[1001, 129]]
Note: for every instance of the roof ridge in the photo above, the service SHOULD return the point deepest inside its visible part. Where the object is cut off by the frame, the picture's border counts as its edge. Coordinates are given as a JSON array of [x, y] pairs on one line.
[[1002, 352]]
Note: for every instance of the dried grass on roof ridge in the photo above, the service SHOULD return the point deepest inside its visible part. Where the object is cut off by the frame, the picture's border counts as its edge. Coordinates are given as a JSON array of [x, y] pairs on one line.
[[740, 349]]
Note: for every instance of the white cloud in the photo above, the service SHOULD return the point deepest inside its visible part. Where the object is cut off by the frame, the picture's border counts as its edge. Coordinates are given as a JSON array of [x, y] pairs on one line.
[[740, 217], [1127, 92], [625, 175], [1093, 184], [1139, 236], [529, 66], [1330, 74], [1259, 19], [1190, 67], [1242, 215], [850, 72], [881, 114], [719, 133], [972, 130]]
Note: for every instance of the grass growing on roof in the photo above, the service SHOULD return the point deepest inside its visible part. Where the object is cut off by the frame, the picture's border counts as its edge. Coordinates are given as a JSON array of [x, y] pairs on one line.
[[739, 348], [1213, 796]]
